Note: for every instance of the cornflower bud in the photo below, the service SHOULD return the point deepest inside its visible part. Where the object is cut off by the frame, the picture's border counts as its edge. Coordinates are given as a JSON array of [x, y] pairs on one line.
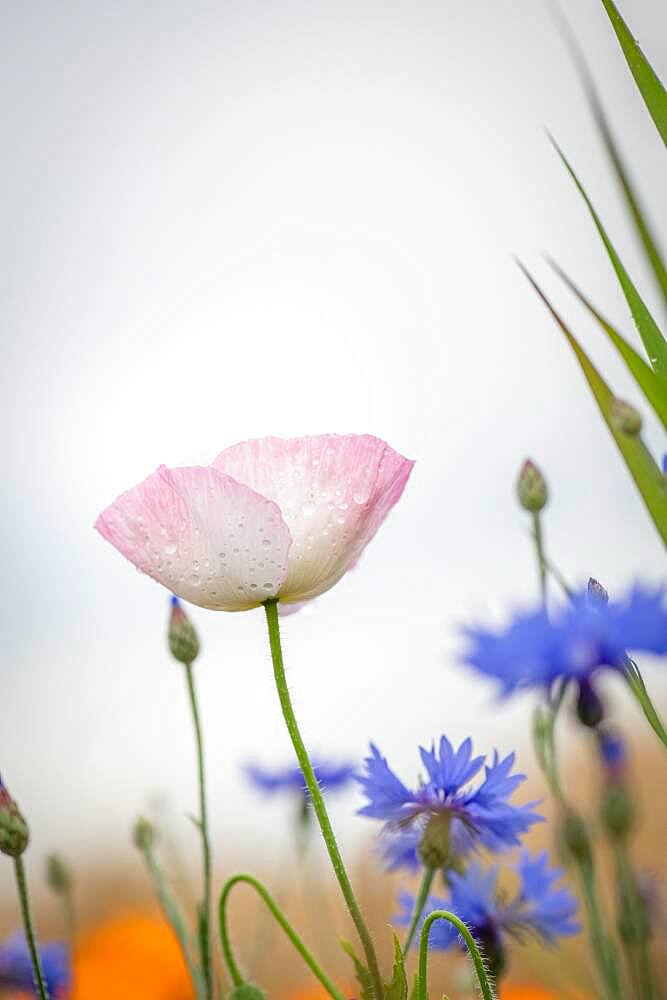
[[597, 594], [590, 709], [14, 832], [183, 639], [625, 418], [58, 875], [617, 809], [144, 835], [531, 488], [575, 838]]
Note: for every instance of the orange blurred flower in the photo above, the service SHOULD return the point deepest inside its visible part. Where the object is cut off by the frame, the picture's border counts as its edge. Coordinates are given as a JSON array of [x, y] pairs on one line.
[[136, 958]]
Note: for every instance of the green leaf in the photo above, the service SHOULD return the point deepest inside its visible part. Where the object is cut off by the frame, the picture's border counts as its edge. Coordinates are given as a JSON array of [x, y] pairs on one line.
[[654, 388], [397, 988], [364, 977], [644, 229], [649, 85], [414, 992], [652, 338], [648, 478], [246, 991]]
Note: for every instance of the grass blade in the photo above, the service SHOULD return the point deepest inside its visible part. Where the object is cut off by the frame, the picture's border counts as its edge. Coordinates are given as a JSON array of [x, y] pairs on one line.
[[654, 389], [650, 333], [642, 226], [648, 478], [650, 87]]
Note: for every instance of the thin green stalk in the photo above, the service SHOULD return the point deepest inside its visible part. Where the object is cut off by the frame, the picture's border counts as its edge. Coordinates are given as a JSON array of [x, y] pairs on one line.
[[29, 930], [601, 945], [173, 917], [603, 950], [539, 550], [282, 920], [636, 942], [487, 990], [273, 624], [545, 743], [638, 688], [204, 909], [420, 903]]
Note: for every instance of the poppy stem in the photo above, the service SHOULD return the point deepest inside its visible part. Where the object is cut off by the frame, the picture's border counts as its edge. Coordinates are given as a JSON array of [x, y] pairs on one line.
[[319, 808], [204, 908], [420, 903], [282, 920], [29, 930], [477, 960]]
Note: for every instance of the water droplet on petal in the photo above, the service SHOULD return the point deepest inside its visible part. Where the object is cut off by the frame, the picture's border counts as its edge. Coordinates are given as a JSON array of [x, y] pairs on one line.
[[309, 508]]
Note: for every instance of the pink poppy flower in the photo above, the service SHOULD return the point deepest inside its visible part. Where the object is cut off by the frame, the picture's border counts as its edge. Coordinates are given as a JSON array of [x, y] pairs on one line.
[[270, 518]]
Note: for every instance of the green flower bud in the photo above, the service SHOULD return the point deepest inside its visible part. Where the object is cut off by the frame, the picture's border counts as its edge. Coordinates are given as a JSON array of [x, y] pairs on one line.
[[617, 813], [58, 875], [531, 488], [625, 418], [246, 991], [575, 838], [434, 847], [14, 832], [183, 640], [144, 834]]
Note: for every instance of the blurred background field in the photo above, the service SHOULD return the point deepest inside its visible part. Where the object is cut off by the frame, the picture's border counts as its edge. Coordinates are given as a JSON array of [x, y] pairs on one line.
[[227, 220], [125, 950]]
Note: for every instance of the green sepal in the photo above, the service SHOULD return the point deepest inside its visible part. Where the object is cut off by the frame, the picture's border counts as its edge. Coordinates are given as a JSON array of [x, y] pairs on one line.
[[397, 987], [650, 87], [362, 974], [246, 991], [648, 478]]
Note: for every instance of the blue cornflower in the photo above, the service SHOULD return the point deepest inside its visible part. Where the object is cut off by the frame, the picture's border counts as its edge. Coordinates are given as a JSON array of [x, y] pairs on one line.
[[447, 816], [582, 637], [16, 967], [538, 907], [330, 776]]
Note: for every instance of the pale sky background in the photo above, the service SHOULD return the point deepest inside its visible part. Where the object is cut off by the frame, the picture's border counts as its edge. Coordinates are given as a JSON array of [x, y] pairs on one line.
[[224, 220]]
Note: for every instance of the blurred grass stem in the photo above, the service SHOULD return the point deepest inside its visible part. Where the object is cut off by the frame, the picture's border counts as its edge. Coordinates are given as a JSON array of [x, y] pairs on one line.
[[204, 909], [29, 930], [174, 919]]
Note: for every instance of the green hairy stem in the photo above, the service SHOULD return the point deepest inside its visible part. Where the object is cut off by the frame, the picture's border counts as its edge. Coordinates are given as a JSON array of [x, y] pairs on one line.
[[319, 808], [282, 920]]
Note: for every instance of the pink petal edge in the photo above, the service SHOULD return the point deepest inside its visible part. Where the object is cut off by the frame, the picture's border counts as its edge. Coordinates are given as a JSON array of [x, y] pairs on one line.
[[334, 492], [205, 536]]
